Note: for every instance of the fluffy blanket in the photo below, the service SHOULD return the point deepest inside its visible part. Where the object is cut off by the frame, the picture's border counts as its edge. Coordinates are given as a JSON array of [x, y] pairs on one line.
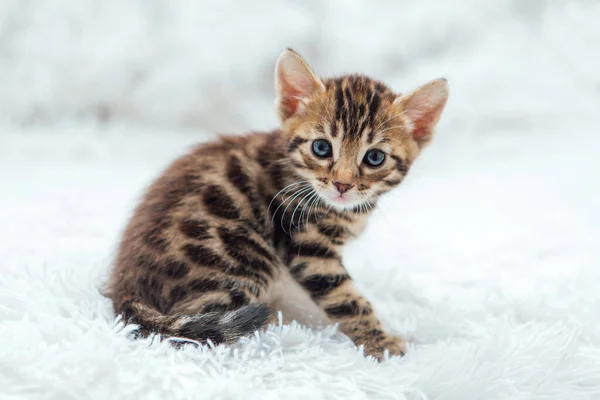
[[488, 267]]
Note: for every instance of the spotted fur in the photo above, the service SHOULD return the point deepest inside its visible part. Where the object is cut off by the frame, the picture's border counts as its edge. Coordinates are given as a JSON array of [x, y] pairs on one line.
[[227, 233]]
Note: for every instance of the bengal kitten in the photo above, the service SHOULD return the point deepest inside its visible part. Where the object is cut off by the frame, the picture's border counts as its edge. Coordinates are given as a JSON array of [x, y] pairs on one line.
[[248, 225]]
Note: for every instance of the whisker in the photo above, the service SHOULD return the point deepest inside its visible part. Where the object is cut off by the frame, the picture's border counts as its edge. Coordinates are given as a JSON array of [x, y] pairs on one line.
[[311, 201], [316, 206], [274, 197], [312, 207], [295, 209], [308, 203], [283, 201], [302, 191]]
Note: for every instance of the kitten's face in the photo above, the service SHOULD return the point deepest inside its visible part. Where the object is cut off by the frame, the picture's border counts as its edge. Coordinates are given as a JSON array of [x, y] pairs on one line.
[[352, 138]]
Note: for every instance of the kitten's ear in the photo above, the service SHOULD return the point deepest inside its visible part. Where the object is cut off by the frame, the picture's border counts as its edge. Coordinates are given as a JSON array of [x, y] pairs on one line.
[[423, 108], [295, 82]]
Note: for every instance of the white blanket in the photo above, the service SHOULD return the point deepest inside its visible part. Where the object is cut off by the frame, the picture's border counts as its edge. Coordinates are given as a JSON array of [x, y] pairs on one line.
[[487, 257], [488, 267]]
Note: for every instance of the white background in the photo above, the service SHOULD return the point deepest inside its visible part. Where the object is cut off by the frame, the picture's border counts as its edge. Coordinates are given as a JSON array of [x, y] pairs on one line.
[[487, 257]]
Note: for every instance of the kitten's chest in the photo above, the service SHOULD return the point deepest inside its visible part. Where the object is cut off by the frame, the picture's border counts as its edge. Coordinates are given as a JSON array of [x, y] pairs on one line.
[[323, 233]]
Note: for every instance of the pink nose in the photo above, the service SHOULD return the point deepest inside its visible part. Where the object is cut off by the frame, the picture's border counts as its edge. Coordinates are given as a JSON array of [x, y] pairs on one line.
[[342, 187]]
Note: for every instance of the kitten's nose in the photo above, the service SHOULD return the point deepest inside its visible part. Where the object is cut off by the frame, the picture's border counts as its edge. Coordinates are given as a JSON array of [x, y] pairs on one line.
[[342, 187]]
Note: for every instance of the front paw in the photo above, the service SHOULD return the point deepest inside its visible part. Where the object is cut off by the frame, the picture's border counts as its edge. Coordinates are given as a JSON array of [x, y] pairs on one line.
[[395, 346]]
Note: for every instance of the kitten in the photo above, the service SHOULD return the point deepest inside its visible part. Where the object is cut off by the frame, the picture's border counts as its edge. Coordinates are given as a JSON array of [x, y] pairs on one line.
[[247, 225]]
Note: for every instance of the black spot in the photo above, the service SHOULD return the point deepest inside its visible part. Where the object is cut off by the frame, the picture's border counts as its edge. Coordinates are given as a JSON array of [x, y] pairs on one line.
[[332, 231], [343, 310], [297, 269], [178, 293], [190, 184], [400, 164], [247, 262], [219, 203], [350, 111], [341, 112], [200, 285], [238, 298], [392, 182], [361, 110], [239, 238], [295, 143], [264, 158], [375, 332], [149, 289], [361, 129], [147, 262], [334, 129], [175, 269], [373, 107], [237, 175], [163, 200], [154, 239], [339, 101], [202, 255], [320, 286], [181, 186], [206, 257], [280, 220], [313, 250], [195, 229]]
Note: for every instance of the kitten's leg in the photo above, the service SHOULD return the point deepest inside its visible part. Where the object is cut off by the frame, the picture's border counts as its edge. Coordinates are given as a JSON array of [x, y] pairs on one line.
[[330, 286], [295, 303]]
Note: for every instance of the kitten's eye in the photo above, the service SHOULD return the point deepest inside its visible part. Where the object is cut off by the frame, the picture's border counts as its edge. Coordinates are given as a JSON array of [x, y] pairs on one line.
[[374, 158], [321, 148]]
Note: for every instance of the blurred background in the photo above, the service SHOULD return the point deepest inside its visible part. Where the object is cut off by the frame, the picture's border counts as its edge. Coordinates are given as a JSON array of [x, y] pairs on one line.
[[96, 97], [486, 255]]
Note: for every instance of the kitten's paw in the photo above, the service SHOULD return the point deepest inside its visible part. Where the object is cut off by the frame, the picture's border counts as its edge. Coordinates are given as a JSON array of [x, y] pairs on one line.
[[394, 345]]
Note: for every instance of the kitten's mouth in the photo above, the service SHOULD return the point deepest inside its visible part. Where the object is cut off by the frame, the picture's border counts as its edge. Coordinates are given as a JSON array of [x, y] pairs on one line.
[[341, 201], [337, 200]]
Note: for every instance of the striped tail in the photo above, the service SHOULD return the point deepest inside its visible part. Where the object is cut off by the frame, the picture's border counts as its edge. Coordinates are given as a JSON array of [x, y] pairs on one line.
[[218, 327]]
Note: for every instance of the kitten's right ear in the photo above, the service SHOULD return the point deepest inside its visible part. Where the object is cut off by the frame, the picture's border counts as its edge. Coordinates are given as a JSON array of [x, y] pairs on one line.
[[295, 83]]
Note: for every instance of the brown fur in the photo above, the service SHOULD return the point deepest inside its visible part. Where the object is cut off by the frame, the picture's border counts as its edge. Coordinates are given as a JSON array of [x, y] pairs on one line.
[[225, 232]]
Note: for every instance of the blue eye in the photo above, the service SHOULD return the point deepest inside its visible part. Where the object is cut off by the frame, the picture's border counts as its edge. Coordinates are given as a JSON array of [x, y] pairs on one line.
[[374, 158], [321, 148]]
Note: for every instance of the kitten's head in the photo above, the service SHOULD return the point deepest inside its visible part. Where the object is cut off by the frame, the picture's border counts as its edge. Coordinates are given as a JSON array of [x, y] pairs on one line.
[[352, 138]]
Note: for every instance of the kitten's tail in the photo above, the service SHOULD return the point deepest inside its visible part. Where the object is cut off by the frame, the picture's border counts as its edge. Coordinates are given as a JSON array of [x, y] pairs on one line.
[[218, 327]]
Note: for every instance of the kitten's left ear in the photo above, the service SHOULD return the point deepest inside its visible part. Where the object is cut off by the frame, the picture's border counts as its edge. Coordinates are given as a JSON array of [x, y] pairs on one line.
[[295, 82], [423, 108]]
